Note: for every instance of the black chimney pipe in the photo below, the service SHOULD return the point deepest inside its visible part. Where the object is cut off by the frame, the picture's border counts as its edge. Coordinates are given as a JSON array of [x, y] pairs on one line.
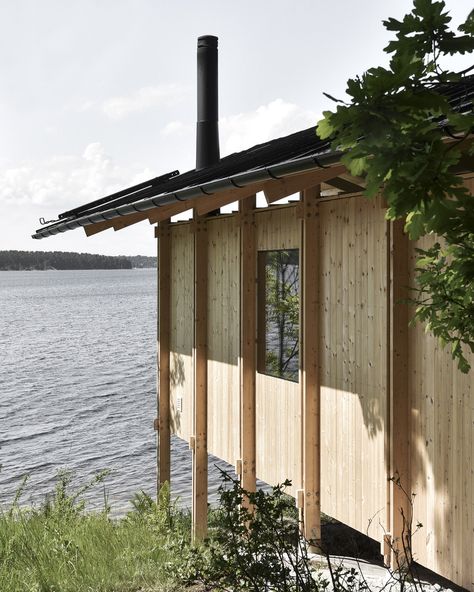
[[207, 132]]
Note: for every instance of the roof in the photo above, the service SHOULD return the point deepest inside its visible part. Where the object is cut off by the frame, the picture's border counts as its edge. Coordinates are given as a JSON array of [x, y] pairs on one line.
[[294, 154], [297, 152]]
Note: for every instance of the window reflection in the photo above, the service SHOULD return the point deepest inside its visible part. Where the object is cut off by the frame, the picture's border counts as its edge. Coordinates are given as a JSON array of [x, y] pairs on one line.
[[279, 307]]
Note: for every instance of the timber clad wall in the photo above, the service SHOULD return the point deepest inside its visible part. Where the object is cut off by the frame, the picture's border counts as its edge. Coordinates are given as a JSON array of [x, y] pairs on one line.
[[182, 321], [363, 265], [442, 455], [278, 401], [224, 338], [353, 321]]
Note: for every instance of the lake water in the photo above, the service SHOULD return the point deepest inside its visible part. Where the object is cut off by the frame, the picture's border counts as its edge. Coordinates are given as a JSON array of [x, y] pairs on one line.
[[77, 384]]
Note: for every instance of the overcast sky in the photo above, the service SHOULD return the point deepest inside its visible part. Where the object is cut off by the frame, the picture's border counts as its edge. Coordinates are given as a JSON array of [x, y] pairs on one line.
[[96, 95]]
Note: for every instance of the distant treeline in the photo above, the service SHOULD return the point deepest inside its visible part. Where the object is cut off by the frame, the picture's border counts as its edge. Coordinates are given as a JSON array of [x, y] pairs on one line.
[[142, 261], [43, 260]]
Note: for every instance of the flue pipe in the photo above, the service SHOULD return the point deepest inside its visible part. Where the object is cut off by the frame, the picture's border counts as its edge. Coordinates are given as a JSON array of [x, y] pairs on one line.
[[207, 130]]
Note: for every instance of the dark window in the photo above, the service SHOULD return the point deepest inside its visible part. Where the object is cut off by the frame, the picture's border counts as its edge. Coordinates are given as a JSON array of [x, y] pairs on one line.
[[279, 307]]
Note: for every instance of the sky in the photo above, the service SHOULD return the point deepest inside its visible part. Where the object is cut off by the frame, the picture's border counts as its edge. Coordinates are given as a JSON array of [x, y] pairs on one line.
[[96, 95]]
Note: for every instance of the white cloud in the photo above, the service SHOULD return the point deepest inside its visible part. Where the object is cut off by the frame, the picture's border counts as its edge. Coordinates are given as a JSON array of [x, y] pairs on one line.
[[276, 119], [144, 99], [62, 181], [243, 130], [174, 128], [58, 183]]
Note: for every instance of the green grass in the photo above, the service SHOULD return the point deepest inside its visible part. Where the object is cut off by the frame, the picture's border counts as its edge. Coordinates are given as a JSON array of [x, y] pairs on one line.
[[59, 547]]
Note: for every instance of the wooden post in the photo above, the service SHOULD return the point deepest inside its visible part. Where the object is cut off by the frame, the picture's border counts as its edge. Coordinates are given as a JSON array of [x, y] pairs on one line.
[[200, 477], [248, 329], [310, 382], [399, 486], [163, 422]]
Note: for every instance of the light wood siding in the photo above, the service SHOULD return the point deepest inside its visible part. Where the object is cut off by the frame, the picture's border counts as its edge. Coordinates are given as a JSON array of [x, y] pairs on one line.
[[442, 452], [278, 402], [354, 342], [353, 350], [223, 338], [181, 339]]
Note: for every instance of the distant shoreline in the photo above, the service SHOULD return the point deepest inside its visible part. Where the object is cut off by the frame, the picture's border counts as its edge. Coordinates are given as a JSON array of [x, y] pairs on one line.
[[70, 261]]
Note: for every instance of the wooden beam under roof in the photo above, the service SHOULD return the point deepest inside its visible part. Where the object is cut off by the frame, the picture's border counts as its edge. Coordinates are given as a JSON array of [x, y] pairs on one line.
[[359, 181], [154, 215], [96, 228], [116, 223], [344, 185], [165, 212], [204, 205], [274, 190], [121, 223], [279, 188]]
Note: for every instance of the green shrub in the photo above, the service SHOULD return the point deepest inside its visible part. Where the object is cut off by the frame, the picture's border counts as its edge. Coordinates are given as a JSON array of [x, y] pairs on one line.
[[254, 544]]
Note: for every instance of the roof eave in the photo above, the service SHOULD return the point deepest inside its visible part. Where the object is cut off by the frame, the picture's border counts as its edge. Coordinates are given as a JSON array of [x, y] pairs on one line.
[[211, 188]]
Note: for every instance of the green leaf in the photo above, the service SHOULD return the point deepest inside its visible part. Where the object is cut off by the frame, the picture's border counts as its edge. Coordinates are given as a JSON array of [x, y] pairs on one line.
[[391, 132], [357, 166], [414, 225], [324, 128]]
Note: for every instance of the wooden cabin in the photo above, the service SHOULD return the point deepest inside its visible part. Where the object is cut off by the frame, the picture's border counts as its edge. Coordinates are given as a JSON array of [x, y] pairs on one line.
[[284, 347]]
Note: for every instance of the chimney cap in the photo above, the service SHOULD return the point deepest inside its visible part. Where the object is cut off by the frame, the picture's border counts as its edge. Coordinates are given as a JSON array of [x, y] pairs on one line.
[[207, 41]]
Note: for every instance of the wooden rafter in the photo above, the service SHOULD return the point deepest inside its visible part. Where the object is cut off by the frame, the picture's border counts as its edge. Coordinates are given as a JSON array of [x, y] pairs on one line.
[[165, 212], [204, 205], [96, 228], [126, 221], [344, 185], [116, 223], [280, 188], [274, 190]]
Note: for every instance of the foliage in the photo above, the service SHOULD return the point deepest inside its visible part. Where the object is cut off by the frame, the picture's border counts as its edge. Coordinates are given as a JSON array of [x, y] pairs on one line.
[[401, 131], [256, 545], [58, 547], [402, 548]]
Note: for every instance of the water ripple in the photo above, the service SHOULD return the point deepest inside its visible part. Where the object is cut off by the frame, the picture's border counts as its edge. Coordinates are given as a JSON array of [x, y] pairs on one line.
[[77, 385]]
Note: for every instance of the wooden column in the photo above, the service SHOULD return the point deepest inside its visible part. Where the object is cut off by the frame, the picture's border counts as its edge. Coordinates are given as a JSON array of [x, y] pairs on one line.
[[248, 330], [162, 424], [310, 383], [199, 441], [399, 486]]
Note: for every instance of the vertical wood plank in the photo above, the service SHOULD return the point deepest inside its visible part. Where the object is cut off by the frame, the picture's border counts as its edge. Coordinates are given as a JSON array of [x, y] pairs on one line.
[[181, 333], [398, 410], [223, 339], [310, 368], [248, 325], [164, 282], [200, 476]]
